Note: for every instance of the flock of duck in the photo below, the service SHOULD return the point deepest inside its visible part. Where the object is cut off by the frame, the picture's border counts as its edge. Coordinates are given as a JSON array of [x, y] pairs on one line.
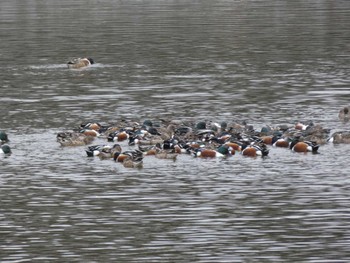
[[167, 139]]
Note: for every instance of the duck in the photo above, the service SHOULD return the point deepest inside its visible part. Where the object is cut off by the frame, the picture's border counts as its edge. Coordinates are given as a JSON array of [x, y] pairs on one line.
[[103, 151], [302, 126], [221, 152], [236, 146], [73, 139], [120, 135], [304, 146], [5, 150], [340, 137], [90, 132], [80, 63], [254, 150], [282, 142], [92, 126], [94, 150], [149, 149], [344, 114], [129, 162], [3, 137], [166, 154], [121, 156], [108, 152], [129, 159]]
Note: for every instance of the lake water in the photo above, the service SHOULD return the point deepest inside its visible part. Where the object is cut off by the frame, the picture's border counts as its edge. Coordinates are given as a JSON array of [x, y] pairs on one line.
[[264, 62]]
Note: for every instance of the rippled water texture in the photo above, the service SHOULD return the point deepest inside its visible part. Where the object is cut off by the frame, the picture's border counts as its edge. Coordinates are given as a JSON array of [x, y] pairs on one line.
[[264, 62]]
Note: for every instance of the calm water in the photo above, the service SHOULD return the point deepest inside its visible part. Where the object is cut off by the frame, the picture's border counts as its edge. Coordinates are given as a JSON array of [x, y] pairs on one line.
[[266, 62]]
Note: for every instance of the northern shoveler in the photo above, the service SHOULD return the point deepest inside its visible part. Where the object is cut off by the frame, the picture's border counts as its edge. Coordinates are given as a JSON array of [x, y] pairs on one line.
[[103, 151], [73, 139], [254, 150], [304, 146], [166, 154], [129, 159], [92, 126], [80, 63], [119, 136], [5, 149], [340, 137], [344, 114], [222, 151], [90, 132], [3, 137], [129, 162], [121, 156], [280, 142]]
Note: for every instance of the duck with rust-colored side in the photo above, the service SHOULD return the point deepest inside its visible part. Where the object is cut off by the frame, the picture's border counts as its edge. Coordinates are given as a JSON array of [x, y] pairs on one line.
[[254, 150], [304, 146], [282, 142], [221, 152], [129, 159]]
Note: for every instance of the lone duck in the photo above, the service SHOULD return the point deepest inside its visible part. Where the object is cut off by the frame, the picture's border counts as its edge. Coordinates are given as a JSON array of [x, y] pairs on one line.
[[80, 63]]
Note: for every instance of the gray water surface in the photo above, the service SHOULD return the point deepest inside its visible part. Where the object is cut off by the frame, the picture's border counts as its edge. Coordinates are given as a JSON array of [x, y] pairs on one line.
[[264, 62]]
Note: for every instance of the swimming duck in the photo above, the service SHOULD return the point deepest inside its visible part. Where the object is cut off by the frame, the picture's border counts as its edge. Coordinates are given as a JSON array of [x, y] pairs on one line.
[[304, 146], [302, 126], [5, 150], [73, 139], [90, 132], [236, 146], [166, 154], [80, 63], [344, 114], [121, 156], [340, 137], [129, 162], [3, 137], [120, 135], [92, 126], [254, 150], [278, 141], [103, 151], [221, 152], [129, 159]]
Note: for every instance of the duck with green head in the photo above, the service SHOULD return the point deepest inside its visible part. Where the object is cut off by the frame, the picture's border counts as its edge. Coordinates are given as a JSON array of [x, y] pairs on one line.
[[5, 150], [3, 137]]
